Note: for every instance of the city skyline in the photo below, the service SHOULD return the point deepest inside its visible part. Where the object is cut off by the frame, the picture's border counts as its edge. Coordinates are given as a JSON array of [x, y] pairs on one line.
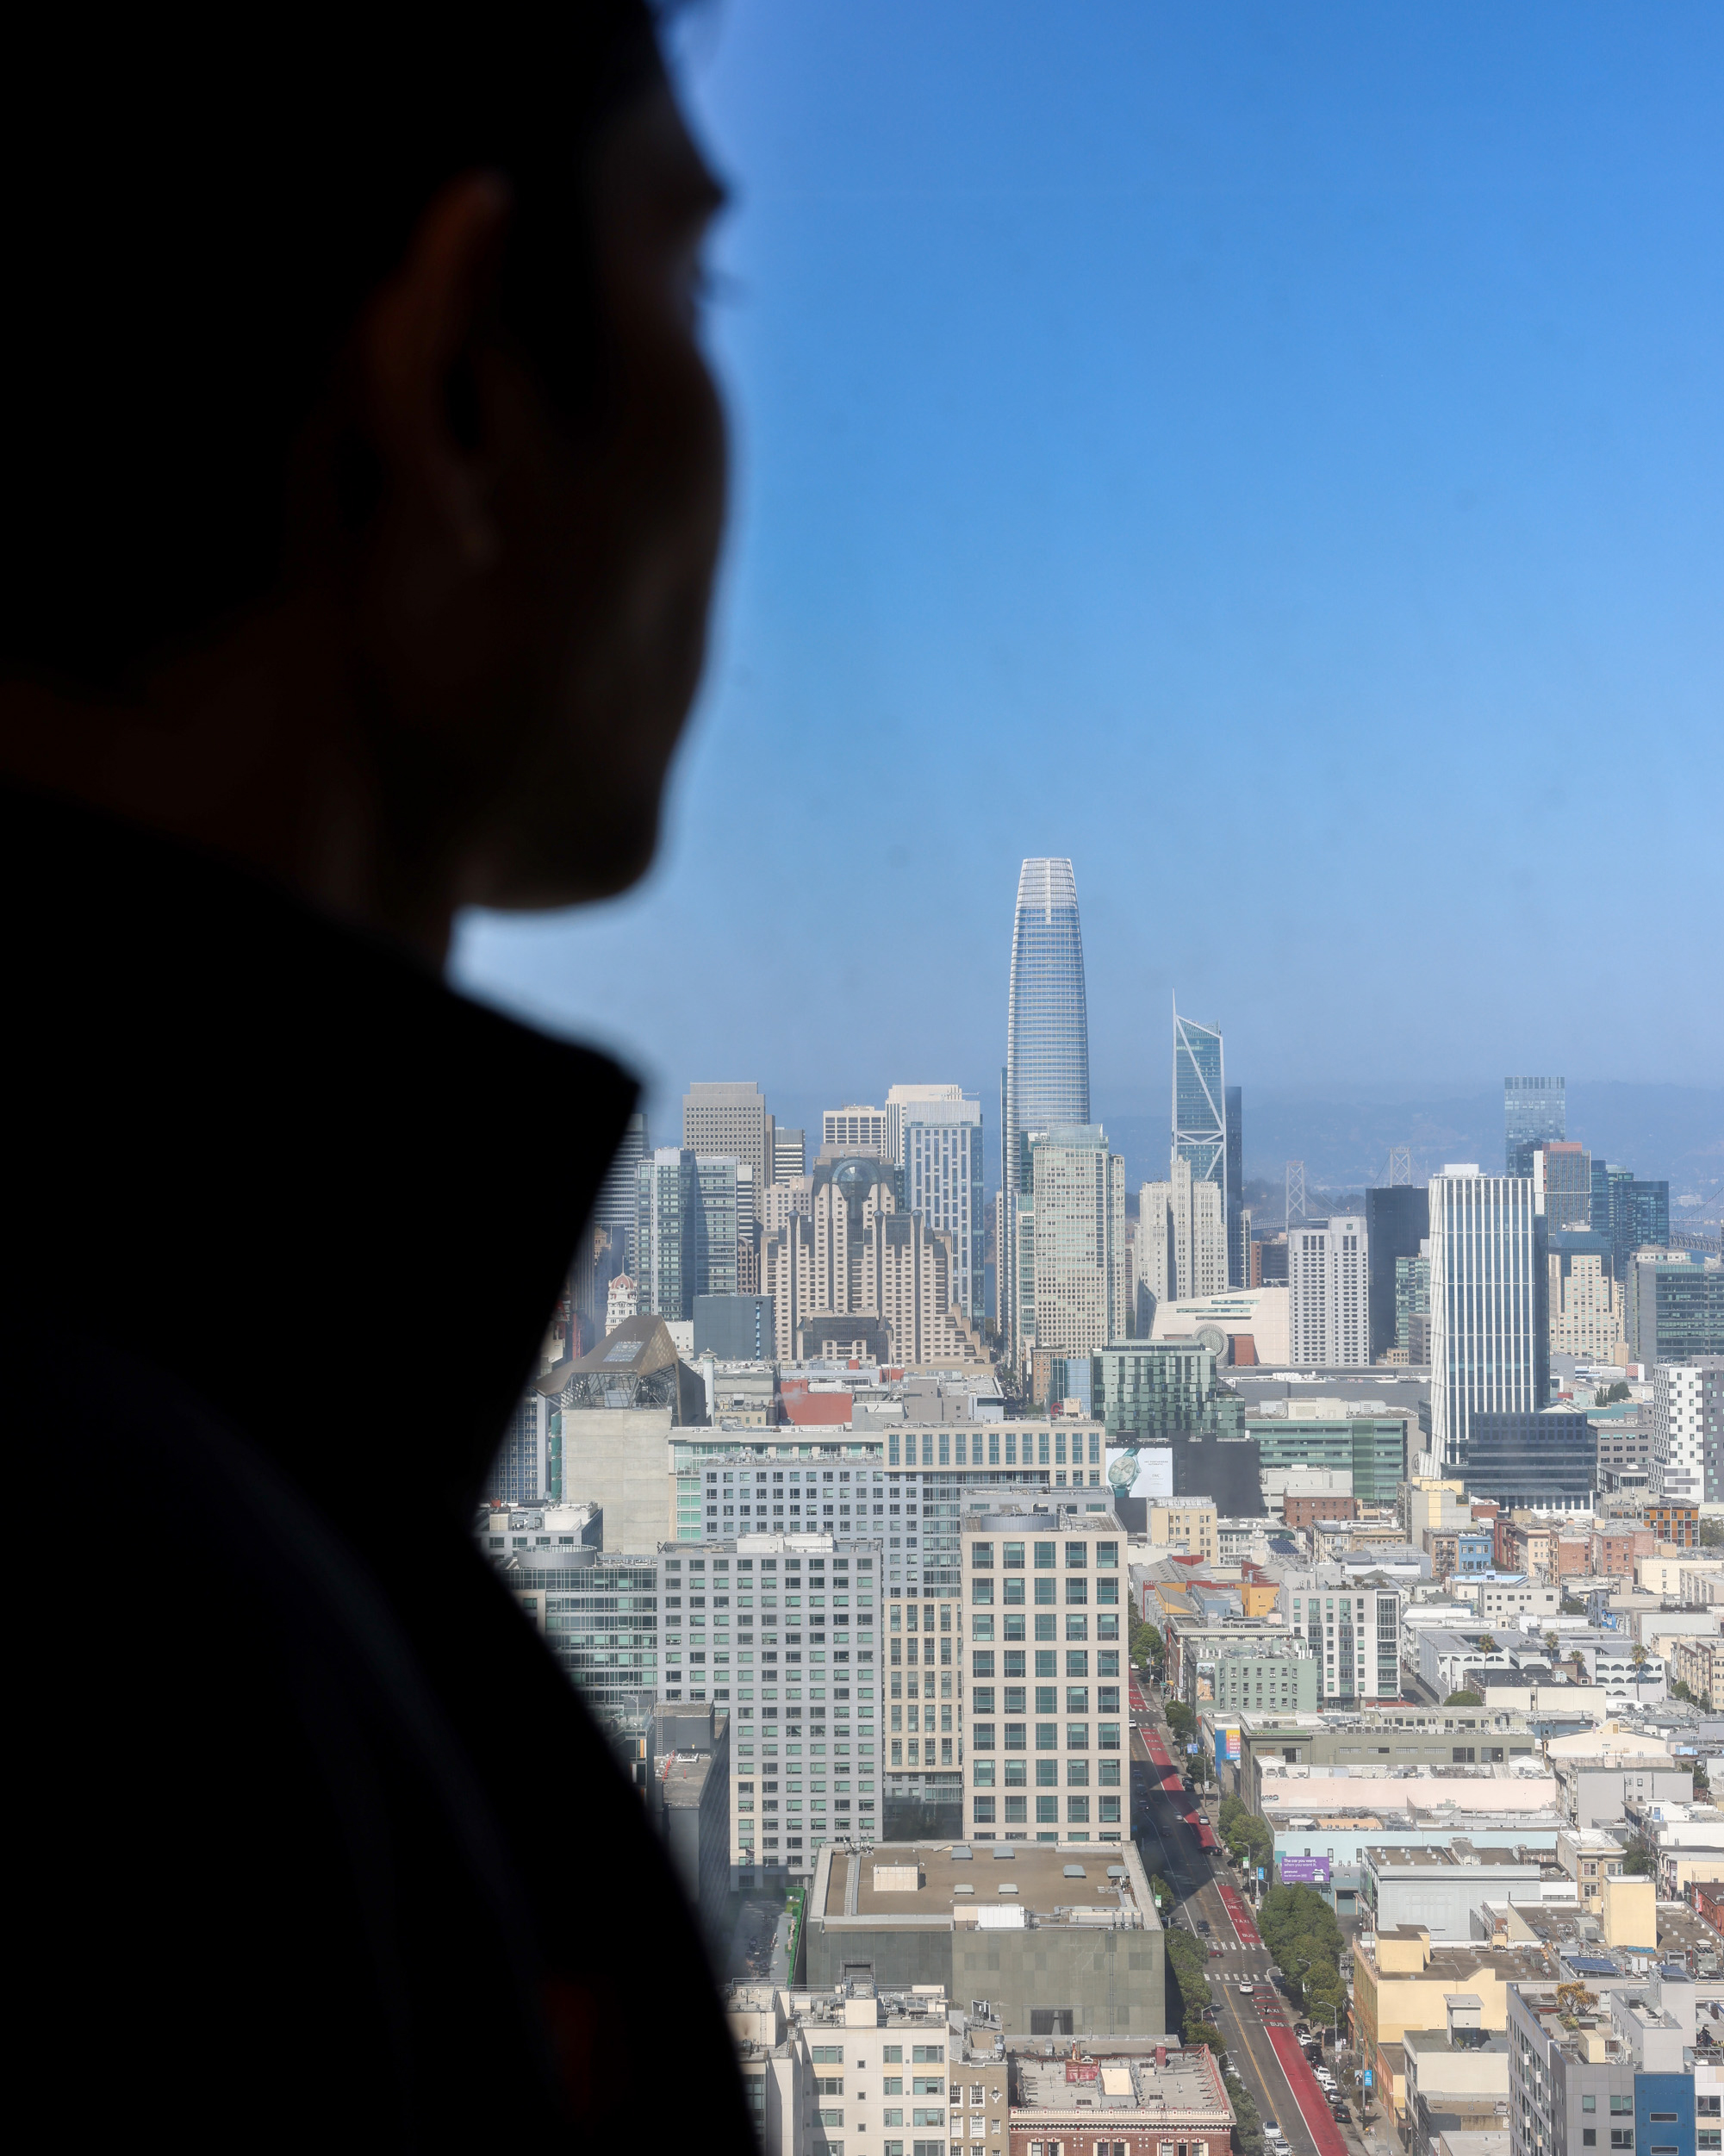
[[1328, 420]]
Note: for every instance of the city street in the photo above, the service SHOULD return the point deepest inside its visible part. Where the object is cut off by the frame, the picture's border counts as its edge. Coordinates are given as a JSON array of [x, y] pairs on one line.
[[1257, 2025]]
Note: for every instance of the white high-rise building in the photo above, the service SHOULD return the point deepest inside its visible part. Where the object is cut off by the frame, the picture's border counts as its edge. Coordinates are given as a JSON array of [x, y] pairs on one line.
[[939, 1138], [1327, 1290], [1490, 1345], [1684, 1395]]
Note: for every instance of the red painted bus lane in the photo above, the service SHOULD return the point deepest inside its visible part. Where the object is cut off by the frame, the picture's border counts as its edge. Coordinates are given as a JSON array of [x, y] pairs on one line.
[[1237, 1915], [1312, 2105]]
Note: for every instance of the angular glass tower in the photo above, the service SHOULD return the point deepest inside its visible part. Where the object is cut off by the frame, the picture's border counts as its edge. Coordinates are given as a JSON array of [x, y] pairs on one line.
[[1534, 1110], [1047, 1044], [1201, 1104]]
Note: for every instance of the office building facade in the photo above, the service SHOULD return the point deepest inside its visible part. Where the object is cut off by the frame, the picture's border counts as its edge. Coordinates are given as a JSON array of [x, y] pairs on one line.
[[1545, 1462], [1673, 1307], [789, 1155], [864, 1131], [1633, 1212], [1043, 1607], [1200, 1103], [668, 1232], [1562, 1175], [1489, 1327], [1534, 1110], [1081, 1267], [1398, 1220], [1238, 1214], [1181, 1251], [615, 1207], [940, 1150], [1371, 1450], [1151, 1392], [732, 1120], [1328, 1292], [1047, 1048], [1412, 1299]]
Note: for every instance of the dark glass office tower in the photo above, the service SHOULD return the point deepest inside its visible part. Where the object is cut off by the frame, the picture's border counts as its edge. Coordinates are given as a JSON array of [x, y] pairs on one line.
[[1047, 1041], [1396, 1220], [1567, 1175], [1534, 1110], [1647, 1206], [1238, 1220]]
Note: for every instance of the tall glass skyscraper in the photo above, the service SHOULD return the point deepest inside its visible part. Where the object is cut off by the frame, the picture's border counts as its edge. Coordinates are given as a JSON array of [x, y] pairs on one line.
[[1534, 1110], [1047, 1046], [1201, 1104]]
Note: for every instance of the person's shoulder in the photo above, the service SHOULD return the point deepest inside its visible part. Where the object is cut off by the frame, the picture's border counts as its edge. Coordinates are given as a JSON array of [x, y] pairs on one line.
[[238, 1784]]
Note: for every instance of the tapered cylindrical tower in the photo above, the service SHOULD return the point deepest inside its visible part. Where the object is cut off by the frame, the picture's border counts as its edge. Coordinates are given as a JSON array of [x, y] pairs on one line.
[[1047, 1057]]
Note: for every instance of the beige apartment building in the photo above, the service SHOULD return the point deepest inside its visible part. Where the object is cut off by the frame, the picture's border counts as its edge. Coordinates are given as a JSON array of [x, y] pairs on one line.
[[1585, 1316], [1699, 1664], [852, 1255], [1188, 1527]]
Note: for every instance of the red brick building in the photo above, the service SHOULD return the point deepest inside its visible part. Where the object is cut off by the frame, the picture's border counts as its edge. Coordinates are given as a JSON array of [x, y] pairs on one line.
[[1303, 1512], [1614, 1549]]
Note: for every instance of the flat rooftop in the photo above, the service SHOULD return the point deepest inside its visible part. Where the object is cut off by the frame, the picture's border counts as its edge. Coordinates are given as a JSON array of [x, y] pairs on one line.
[[1187, 2085], [1091, 1883], [1449, 1855]]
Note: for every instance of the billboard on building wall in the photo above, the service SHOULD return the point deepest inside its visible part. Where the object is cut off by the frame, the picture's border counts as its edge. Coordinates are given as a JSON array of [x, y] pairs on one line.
[[1304, 1871], [1141, 1472], [1227, 1743]]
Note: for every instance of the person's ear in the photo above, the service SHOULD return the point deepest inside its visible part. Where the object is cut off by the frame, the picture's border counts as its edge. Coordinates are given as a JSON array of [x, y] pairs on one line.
[[418, 346]]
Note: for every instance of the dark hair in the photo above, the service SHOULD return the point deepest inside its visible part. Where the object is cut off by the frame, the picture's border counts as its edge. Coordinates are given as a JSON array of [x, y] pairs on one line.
[[196, 210]]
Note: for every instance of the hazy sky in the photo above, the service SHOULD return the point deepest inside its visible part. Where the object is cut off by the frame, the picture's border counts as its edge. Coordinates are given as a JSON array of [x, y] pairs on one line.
[[1272, 456]]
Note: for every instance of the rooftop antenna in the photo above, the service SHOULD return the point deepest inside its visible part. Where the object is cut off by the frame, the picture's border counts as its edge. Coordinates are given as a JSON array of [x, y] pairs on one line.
[[1296, 1193], [1400, 1165]]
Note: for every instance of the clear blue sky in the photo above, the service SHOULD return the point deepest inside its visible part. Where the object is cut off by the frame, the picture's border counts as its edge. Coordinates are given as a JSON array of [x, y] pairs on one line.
[[1273, 456]]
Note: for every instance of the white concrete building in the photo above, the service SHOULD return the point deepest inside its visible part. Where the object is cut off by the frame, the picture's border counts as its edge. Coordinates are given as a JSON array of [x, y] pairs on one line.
[[1328, 1289], [1679, 1428], [1489, 1349]]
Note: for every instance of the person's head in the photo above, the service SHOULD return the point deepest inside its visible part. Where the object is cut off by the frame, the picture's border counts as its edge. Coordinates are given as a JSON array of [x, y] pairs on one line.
[[383, 323]]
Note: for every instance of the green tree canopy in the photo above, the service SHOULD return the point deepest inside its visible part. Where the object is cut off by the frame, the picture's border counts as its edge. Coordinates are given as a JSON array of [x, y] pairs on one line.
[[1463, 1699], [1299, 1929]]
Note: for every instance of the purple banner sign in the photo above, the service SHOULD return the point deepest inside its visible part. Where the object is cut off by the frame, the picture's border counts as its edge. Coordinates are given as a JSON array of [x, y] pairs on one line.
[[1302, 1871]]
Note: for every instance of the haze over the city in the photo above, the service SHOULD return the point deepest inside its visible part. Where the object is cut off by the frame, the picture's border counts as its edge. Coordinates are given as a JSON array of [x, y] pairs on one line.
[[1275, 464]]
